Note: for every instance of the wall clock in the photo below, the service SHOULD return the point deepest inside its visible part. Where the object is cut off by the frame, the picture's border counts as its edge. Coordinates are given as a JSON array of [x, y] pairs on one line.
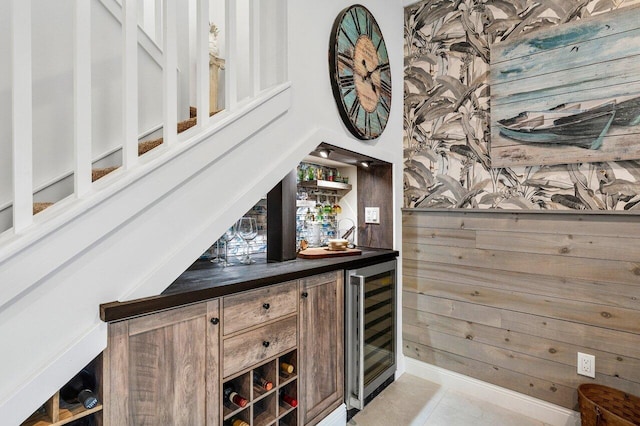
[[360, 73]]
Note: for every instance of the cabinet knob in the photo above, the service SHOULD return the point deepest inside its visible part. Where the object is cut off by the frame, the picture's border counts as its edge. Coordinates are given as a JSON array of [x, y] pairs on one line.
[[265, 344], [305, 294], [215, 321], [266, 305]]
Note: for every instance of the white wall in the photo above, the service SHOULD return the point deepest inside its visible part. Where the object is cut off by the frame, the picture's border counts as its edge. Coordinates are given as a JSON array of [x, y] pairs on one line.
[[137, 240]]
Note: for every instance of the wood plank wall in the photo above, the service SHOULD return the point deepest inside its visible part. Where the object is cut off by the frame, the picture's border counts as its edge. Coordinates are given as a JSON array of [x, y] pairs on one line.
[[375, 189], [510, 298]]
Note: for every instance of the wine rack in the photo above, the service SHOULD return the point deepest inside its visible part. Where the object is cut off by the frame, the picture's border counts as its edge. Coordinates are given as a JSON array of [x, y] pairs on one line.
[[265, 407], [56, 412]]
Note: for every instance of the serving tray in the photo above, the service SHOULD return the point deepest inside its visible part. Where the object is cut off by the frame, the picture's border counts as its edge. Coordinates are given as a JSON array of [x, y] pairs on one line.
[[323, 252]]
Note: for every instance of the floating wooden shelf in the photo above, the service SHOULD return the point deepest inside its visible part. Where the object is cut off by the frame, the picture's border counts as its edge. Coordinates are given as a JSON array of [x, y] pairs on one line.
[[326, 184]]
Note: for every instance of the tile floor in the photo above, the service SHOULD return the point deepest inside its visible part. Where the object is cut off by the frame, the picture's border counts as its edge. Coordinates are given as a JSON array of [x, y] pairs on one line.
[[411, 401]]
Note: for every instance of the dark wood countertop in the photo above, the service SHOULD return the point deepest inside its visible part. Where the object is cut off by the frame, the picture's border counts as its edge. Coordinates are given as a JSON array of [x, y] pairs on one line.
[[204, 280]]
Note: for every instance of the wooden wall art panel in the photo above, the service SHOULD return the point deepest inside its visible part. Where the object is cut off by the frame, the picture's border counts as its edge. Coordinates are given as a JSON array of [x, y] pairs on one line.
[[568, 94]]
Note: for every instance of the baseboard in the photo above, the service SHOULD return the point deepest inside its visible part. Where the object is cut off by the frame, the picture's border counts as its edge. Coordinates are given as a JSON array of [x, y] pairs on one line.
[[338, 417], [529, 406]]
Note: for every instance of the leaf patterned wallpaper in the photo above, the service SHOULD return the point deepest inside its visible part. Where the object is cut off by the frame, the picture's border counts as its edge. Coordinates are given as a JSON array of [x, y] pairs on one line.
[[446, 113]]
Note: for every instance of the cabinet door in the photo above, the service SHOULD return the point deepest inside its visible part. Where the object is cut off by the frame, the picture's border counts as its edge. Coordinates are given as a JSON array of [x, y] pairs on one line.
[[321, 345], [162, 369]]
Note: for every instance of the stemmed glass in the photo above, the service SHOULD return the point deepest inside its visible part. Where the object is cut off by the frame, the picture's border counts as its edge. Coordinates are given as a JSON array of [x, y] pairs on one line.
[[217, 258], [247, 230], [228, 235]]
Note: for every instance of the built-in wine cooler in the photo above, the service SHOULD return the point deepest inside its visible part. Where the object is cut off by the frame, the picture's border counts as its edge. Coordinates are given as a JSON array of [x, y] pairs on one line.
[[370, 332]]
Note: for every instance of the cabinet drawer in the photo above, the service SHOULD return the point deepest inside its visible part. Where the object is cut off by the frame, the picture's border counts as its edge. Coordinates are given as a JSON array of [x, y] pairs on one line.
[[258, 306], [245, 350]]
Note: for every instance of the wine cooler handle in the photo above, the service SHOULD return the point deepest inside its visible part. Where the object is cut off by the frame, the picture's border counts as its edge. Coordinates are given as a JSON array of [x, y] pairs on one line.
[[265, 344], [266, 306], [215, 321], [357, 401]]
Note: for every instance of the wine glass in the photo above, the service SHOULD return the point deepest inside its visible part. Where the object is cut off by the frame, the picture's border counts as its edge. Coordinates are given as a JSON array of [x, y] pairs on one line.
[[215, 258], [228, 235], [247, 230]]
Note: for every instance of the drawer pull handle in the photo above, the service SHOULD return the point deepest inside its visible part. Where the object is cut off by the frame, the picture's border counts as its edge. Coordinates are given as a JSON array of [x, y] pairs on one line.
[[305, 294], [215, 321], [266, 306], [265, 344]]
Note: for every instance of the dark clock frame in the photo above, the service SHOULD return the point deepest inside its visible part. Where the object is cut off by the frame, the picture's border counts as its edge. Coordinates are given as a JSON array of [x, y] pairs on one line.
[[335, 77]]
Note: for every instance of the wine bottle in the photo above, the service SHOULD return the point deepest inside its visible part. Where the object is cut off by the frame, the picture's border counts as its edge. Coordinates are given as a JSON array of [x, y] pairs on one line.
[[286, 367], [235, 421], [80, 389], [261, 382], [288, 399], [231, 395]]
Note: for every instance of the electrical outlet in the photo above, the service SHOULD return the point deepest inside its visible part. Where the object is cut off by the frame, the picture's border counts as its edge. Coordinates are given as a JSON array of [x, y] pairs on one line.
[[587, 365]]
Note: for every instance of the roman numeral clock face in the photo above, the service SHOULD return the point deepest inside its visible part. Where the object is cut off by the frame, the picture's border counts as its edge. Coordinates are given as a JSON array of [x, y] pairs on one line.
[[360, 74]]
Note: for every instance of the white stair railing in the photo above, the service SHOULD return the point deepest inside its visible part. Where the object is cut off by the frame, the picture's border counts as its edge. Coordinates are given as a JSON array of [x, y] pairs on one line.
[[255, 46], [255, 12], [130, 83], [169, 75], [203, 80], [22, 107], [82, 97], [231, 77]]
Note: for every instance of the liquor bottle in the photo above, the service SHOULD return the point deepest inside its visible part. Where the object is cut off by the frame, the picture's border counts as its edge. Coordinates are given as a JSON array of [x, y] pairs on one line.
[[231, 395], [286, 367], [80, 389], [261, 382], [288, 399], [234, 421]]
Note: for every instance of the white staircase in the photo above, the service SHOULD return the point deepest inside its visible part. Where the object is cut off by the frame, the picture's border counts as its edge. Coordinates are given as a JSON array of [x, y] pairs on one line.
[[131, 233]]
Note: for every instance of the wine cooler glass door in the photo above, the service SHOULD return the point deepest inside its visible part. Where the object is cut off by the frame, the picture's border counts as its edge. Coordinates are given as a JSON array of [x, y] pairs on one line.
[[371, 333], [379, 325]]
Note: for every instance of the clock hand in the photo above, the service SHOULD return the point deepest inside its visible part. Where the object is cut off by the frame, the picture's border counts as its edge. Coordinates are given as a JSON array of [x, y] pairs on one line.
[[374, 70], [365, 75]]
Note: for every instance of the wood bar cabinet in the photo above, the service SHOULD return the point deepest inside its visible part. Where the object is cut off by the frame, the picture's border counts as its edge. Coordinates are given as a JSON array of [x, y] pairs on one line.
[[171, 367]]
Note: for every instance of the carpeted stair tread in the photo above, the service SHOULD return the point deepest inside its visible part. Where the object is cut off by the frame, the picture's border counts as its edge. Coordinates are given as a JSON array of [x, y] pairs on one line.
[[143, 148], [102, 172], [38, 207], [146, 146], [187, 124]]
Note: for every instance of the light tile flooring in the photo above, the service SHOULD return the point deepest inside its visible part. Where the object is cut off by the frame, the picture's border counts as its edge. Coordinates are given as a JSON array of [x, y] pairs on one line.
[[411, 401]]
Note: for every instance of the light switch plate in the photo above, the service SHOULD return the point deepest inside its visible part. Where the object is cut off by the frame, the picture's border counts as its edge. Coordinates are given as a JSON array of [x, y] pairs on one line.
[[372, 215]]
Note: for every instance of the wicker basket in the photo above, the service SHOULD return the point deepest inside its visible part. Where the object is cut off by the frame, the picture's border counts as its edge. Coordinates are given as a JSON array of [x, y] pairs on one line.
[[601, 405]]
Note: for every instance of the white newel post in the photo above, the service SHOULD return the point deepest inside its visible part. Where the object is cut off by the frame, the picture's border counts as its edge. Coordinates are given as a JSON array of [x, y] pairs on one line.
[[231, 79], [169, 74], [22, 107], [130, 83], [82, 97]]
